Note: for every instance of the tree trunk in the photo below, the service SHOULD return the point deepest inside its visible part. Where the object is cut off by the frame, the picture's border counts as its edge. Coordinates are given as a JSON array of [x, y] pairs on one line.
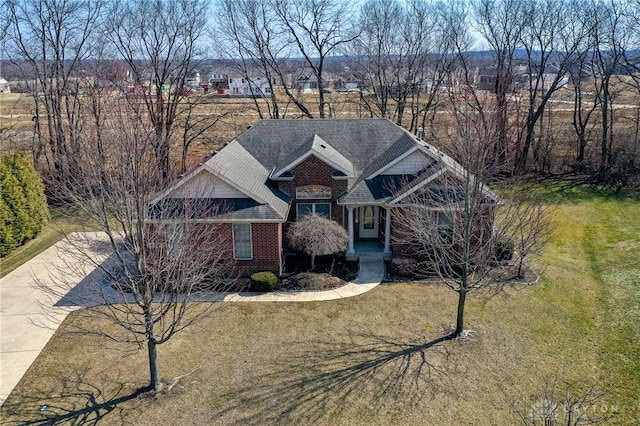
[[154, 383], [462, 296], [313, 262], [154, 380]]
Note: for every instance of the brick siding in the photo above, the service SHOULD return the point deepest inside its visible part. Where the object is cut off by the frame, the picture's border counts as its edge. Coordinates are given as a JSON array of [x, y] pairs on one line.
[[267, 249], [314, 171]]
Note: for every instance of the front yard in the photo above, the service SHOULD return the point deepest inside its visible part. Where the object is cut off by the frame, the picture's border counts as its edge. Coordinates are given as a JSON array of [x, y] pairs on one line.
[[372, 359]]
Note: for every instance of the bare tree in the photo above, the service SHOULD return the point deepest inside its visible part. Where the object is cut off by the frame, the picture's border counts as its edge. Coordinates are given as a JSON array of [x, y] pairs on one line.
[[551, 37], [162, 254], [195, 120], [317, 236], [160, 42], [257, 47], [317, 28], [374, 49], [500, 22], [609, 44], [399, 52], [581, 76], [48, 42], [454, 225]]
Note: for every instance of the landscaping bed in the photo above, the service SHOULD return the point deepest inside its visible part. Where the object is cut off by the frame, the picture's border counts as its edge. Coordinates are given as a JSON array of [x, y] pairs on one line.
[[330, 272]]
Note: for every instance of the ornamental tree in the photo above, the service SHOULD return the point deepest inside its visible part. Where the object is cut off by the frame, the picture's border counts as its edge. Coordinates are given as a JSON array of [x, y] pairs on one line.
[[317, 235]]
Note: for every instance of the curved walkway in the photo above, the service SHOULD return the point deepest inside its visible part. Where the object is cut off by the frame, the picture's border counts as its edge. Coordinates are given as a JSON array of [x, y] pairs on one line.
[[29, 316]]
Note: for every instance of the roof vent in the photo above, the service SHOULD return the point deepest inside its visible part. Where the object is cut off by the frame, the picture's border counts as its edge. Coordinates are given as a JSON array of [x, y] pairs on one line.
[[323, 146], [420, 133]]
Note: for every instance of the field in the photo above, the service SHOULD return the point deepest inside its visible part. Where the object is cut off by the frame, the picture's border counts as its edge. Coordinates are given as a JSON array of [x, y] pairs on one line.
[[376, 359]]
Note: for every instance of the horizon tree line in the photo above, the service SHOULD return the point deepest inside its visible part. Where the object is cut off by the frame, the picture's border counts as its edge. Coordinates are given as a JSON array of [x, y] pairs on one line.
[[413, 54]]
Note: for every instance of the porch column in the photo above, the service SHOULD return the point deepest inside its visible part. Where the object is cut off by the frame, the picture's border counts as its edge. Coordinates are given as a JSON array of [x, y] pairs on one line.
[[387, 231], [350, 228]]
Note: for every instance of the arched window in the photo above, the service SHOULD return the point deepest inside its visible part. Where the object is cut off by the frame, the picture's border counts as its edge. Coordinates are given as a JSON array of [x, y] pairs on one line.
[[314, 192]]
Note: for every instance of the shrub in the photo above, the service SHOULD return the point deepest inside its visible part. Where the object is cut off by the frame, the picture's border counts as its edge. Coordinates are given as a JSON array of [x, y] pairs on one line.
[[317, 235], [23, 205], [504, 251], [403, 266], [263, 281]]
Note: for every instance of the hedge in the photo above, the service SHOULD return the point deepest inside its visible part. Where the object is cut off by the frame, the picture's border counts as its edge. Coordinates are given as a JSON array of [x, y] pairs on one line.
[[23, 205]]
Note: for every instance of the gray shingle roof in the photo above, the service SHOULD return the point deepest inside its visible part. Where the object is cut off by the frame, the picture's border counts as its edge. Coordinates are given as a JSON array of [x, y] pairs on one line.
[[359, 141], [239, 168], [356, 147], [321, 149]]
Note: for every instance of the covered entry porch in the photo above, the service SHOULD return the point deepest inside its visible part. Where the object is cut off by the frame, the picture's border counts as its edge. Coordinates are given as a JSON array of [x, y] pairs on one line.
[[369, 228]]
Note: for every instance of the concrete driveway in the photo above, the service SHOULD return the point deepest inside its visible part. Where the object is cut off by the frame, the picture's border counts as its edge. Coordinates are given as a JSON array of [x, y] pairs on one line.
[[28, 315]]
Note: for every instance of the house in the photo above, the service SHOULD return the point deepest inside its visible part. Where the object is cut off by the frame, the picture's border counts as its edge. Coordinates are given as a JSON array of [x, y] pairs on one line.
[[219, 83], [4, 86], [349, 83], [192, 79], [355, 171], [257, 87]]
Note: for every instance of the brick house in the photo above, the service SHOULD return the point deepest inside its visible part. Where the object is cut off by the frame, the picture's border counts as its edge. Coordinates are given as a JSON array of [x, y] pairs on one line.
[[280, 170]]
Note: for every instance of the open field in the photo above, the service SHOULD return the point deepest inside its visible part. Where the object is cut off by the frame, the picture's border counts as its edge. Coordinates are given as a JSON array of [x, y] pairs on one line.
[[374, 359]]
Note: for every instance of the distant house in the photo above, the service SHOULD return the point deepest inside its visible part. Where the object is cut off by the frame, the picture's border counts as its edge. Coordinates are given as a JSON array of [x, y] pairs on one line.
[[219, 83], [279, 171], [307, 81], [349, 83], [4, 86], [193, 79], [257, 87]]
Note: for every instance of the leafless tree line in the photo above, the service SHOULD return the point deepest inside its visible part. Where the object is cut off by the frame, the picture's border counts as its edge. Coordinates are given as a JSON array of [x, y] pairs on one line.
[[409, 56], [68, 51]]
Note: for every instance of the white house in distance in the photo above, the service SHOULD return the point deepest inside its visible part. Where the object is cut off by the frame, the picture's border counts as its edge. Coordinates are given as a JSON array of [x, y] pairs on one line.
[[258, 87], [4, 86]]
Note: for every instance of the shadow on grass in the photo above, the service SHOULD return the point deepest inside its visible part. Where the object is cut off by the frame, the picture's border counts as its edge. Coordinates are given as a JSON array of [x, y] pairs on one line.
[[574, 191], [329, 381], [73, 401]]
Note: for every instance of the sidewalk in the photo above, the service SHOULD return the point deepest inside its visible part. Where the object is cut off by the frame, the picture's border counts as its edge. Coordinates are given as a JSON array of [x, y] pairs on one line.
[[29, 316]]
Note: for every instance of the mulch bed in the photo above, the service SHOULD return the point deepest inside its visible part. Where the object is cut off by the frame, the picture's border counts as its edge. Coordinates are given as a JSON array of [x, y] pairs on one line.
[[330, 272], [501, 275]]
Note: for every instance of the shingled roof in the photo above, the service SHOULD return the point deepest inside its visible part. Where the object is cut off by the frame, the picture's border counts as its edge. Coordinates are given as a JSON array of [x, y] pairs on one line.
[[360, 141], [365, 151]]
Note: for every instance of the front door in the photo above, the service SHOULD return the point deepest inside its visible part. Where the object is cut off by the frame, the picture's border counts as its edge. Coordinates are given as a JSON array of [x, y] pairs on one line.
[[369, 222]]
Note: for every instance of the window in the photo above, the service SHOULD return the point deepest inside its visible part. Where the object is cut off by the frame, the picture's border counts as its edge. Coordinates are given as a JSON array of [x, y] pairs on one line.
[[369, 218], [174, 235], [242, 247], [313, 192], [323, 209], [445, 230]]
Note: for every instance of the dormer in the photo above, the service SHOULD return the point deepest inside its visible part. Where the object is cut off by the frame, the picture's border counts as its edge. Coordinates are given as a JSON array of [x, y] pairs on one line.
[[320, 149]]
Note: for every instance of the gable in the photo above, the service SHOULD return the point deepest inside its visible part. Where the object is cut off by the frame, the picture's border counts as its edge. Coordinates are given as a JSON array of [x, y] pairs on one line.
[[315, 147], [409, 165], [205, 185]]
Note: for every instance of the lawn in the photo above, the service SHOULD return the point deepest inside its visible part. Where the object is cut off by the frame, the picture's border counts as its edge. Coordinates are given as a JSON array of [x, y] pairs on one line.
[[63, 221], [374, 359]]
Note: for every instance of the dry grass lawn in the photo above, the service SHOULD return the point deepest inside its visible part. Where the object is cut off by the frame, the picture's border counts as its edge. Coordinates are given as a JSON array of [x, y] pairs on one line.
[[372, 359]]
